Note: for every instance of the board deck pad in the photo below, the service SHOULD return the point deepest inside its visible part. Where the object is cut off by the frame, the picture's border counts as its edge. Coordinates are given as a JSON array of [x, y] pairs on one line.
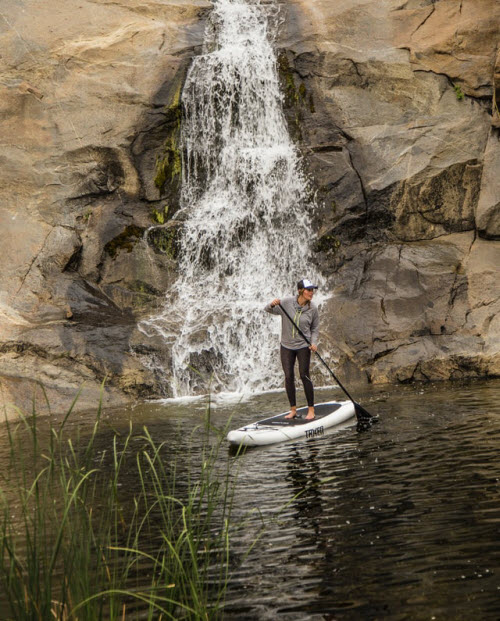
[[320, 411]]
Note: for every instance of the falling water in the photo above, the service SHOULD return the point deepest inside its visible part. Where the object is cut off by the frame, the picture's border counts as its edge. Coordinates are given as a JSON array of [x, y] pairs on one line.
[[246, 235]]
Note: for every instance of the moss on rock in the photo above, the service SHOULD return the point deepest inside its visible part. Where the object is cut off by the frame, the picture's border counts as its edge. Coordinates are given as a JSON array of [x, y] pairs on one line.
[[169, 163], [168, 167], [327, 243], [160, 215], [165, 240], [126, 240], [297, 97]]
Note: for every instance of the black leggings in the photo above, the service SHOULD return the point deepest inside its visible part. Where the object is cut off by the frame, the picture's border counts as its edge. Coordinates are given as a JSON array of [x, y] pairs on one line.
[[288, 357]]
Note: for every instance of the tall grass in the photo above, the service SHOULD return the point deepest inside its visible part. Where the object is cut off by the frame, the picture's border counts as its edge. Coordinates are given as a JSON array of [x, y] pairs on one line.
[[121, 533]]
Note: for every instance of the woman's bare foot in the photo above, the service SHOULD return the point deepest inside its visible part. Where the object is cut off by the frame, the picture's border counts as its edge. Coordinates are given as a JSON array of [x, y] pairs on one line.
[[293, 413], [310, 413]]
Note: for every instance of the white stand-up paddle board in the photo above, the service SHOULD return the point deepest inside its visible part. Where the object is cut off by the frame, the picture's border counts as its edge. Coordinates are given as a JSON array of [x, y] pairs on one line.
[[279, 429]]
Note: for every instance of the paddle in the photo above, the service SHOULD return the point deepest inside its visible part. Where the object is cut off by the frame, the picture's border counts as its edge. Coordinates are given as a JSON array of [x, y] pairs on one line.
[[365, 419]]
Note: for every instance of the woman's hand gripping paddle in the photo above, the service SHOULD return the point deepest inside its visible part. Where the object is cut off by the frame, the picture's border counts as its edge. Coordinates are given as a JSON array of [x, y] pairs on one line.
[[365, 419]]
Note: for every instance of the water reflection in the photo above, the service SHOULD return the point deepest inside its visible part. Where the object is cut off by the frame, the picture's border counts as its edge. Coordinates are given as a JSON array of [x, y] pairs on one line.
[[304, 478]]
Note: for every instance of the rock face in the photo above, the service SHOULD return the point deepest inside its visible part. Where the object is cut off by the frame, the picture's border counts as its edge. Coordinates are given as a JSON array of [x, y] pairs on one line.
[[395, 107], [89, 110]]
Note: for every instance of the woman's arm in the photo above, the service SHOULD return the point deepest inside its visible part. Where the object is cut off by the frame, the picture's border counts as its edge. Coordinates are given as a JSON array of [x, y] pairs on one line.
[[273, 307]]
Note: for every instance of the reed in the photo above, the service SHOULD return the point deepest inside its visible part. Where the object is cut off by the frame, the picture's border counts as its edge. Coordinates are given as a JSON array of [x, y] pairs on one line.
[[128, 531]]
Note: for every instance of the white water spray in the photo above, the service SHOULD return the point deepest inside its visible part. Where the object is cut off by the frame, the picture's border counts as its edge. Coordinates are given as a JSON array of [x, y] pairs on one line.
[[246, 235]]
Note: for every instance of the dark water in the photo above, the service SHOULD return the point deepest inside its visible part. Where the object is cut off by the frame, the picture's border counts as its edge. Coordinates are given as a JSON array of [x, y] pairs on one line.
[[406, 527], [401, 522]]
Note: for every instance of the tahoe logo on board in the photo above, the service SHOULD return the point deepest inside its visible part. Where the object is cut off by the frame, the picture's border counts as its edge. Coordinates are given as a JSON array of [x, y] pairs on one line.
[[311, 433]]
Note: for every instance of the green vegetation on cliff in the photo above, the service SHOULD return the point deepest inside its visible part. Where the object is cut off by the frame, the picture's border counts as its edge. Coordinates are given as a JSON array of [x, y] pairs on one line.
[[297, 98], [168, 169], [165, 240]]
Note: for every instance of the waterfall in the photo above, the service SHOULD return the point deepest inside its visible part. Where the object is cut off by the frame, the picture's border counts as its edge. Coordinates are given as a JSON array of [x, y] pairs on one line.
[[246, 234]]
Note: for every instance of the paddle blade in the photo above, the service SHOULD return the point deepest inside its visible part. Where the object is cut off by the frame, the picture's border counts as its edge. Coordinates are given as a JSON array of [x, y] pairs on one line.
[[365, 419]]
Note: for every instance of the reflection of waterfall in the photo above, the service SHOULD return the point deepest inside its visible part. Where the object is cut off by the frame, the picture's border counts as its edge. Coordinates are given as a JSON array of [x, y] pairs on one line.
[[245, 238]]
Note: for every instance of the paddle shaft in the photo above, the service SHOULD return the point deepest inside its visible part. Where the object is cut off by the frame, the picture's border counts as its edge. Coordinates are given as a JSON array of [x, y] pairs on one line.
[[309, 343]]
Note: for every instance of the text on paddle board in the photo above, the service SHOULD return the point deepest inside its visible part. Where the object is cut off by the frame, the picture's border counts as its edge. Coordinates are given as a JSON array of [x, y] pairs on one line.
[[319, 431]]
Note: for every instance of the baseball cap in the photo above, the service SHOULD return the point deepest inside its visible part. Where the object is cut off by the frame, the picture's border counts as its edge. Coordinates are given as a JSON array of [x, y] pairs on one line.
[[306, 284]]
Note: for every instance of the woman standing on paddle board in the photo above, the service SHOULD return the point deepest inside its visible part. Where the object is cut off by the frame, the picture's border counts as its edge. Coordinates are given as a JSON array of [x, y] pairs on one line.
[[305, 315]]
